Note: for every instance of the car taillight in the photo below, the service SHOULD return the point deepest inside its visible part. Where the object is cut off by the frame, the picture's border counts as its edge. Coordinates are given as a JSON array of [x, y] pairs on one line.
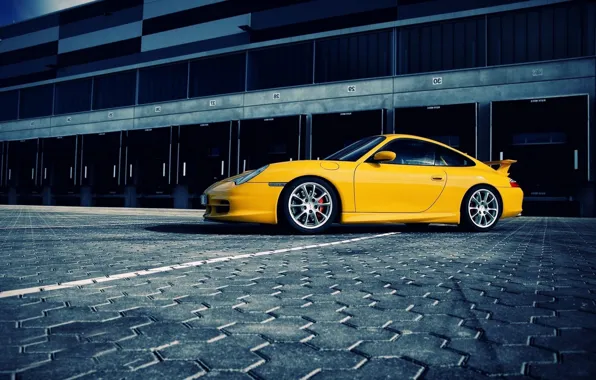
[[513, 183]]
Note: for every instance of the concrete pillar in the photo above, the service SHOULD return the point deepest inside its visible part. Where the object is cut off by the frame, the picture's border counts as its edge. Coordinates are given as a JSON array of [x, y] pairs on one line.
[[12, 196], [483, 132], [308, 137], [86, 196], [181, 198], [130, 196], [46, 196], [389, 122]]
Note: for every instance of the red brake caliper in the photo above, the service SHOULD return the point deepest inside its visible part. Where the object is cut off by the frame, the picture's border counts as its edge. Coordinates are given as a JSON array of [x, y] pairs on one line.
[[321, 208]]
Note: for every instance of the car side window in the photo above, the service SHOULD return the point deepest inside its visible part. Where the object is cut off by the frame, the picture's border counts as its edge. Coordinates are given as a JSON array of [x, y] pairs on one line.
[[411, 152], [447, 157]]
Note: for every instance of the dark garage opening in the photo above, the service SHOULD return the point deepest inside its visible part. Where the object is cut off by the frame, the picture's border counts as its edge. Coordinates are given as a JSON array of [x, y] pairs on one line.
[[548, 138], [332, 132], [203, 157], [22, 170], [453, 124], [101, 168], [60, 170], [265, 141], [148, 166]]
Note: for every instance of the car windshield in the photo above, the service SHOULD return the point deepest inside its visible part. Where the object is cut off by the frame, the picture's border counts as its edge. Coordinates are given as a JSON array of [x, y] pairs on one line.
[[354, 151]]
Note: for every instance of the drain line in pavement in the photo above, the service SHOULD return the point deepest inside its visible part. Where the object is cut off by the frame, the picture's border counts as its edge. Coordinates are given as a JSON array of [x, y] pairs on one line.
[[96, 280]]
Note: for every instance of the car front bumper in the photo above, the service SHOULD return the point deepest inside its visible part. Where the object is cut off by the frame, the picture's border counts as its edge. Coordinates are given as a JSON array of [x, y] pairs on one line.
[[249, 203]]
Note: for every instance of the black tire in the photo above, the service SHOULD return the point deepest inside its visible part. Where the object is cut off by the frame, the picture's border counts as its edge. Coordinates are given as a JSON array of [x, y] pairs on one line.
[[285, 217], [466, 221]]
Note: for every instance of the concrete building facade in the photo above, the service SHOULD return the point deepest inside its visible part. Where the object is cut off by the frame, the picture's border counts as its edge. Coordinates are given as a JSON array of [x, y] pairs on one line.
[[145, 103]]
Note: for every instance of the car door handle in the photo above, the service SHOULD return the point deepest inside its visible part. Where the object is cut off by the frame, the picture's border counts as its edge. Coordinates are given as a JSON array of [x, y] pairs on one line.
[[437, 177]]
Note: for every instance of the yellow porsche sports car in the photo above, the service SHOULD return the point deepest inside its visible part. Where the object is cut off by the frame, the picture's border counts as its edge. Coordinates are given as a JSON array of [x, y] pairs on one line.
[[379, 179]]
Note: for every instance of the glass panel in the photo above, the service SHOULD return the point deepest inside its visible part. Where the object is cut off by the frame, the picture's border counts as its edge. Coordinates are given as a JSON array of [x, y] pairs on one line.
[[283, 66], [36, 101], [163, 83], [9, 105], [411, 152], [447, 157], [73, 96], [219, 75], [353, 57], [117, 90], [539, 138]]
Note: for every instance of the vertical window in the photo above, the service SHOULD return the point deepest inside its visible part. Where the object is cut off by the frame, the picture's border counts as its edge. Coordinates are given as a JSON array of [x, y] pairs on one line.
[[9, 101], [73, 96], [116, 90], [539, 34], [36, 101], [163, 83], [283, 66], [219, 75], [353, 57], [445, 46]]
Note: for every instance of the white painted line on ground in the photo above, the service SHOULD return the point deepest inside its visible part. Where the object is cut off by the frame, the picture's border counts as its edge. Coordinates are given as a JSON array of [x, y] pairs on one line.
[[136, 223], [119, 276]]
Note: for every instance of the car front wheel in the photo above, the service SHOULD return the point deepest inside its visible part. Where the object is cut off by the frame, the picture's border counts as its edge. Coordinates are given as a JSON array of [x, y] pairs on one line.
[[310, 205]]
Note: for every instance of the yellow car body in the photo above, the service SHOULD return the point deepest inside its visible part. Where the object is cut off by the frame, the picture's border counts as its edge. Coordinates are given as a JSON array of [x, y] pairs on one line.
[[367, 192]]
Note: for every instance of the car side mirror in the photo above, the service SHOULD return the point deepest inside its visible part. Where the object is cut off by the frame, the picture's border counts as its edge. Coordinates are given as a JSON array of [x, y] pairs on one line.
[[384, 156]]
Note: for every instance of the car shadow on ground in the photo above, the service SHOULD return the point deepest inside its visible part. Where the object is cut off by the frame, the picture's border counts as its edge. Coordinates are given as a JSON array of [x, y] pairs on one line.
[[257, 229]]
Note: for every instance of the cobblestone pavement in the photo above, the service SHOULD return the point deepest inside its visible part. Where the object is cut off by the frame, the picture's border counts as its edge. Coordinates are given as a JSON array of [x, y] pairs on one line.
[[354, 303]]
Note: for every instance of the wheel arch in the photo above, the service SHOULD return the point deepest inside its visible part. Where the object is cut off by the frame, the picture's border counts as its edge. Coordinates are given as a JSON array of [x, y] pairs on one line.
[[482, 184], [287, 186]]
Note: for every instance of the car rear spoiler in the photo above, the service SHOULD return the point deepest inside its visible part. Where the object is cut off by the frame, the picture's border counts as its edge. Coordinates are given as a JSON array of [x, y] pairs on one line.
[[504, 165]]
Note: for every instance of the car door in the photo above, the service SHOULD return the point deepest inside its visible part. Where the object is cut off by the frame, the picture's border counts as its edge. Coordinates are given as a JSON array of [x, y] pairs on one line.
[[410, 183]]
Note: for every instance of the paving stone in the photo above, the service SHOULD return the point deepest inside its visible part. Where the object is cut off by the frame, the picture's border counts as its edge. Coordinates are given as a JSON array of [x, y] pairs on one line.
[[443, 325], [67, 369], [52, 343], [371, 317], [509, 333], [453, 373], [424, 348], [28, 311], [392, 368], [499, 360], [569, 303], [295, 360], [12, 360], [278, 330], [312, 312], [338, 336], [568, 340], [570, 318], [219, 355], [572, 366]]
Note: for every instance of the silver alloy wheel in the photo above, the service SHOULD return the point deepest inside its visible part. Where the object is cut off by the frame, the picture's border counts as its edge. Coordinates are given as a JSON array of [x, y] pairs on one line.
[[483, 208], [310, 205]]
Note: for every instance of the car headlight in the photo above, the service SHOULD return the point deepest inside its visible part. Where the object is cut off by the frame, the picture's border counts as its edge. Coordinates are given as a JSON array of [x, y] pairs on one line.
[[249, 176]]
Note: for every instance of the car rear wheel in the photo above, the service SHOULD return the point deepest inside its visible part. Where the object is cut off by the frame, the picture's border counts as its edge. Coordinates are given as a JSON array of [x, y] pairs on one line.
[[480, 209], [309, 205]]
